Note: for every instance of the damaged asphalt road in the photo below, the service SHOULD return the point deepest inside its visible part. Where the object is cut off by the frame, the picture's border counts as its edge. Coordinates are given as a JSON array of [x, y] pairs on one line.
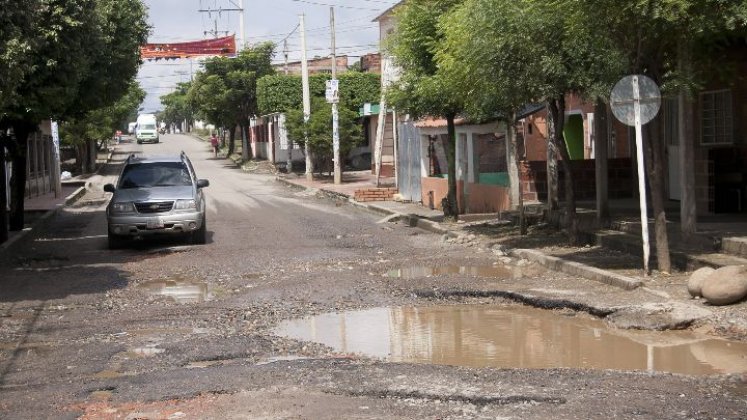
[[90, 333]]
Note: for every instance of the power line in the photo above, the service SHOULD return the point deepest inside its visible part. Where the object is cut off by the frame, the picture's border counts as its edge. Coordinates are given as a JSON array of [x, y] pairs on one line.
[[335, 5]]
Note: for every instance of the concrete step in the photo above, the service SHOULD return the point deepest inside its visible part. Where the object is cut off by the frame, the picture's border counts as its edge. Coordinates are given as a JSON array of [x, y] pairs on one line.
[[685, 260], [736, 246]]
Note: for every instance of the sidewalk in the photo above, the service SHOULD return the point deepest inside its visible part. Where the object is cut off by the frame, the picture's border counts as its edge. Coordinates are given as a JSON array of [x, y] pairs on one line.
[[40, 208], [621, 244]]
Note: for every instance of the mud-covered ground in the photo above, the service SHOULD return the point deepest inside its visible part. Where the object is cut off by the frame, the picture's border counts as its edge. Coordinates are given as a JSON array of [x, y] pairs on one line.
[[82, 333]]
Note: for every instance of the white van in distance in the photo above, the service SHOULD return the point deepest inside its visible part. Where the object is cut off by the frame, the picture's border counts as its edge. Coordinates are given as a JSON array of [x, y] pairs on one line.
[[146, 129]]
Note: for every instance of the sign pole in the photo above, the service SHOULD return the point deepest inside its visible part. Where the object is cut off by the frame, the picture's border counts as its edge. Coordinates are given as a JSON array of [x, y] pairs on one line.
[[641, 173], [635, 100]]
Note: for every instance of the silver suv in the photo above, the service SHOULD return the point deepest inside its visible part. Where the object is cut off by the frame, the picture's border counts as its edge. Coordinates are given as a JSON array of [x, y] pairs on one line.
[[156, 195]]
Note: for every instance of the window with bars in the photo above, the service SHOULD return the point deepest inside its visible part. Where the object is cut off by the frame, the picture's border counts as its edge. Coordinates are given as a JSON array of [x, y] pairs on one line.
[[716, 118]]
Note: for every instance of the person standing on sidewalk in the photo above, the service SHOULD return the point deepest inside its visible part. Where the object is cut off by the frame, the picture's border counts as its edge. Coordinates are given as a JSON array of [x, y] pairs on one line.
[[214, 143]]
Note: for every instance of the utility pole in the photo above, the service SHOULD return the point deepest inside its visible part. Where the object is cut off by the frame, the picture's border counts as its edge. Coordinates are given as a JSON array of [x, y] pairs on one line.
[[237, 7], [242, 35], [306, 101], [335, 112], [285, 56]]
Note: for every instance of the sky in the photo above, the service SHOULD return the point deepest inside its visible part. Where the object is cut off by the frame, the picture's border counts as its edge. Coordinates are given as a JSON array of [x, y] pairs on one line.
[[264, 20]]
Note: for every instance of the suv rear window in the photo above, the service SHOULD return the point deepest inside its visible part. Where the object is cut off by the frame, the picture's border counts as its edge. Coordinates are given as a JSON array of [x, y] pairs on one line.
[[159, 174]]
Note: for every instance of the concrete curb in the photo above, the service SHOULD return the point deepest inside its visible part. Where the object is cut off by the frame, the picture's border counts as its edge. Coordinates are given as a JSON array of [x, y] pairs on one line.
[[412, 221], [554, 263], [70, 199], [578, 269]]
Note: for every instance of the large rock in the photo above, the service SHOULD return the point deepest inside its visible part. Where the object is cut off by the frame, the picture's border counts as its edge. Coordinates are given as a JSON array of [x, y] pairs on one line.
[[726, 285], [695, 283]]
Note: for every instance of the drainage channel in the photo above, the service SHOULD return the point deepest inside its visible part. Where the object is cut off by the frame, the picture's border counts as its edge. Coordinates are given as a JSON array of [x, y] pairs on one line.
[[514, 337]]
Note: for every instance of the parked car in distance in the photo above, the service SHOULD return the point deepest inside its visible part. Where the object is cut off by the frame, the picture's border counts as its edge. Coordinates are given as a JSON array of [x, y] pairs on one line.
[[158, 195], [146, 130]]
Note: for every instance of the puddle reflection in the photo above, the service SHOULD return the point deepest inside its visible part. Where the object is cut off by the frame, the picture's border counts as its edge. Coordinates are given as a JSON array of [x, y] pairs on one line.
[[179, 290], [496, 336], [476, 271]]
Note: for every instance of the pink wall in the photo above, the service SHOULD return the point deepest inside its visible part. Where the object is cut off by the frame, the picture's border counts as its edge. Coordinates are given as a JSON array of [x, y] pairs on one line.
[[482, 198]]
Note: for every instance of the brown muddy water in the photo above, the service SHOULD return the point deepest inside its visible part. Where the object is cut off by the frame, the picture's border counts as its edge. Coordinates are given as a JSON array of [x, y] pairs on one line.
[[179, 290], [514, 337], [497, 271]]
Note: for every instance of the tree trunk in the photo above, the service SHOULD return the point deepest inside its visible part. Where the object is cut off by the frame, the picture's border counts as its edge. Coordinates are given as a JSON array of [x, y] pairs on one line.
[[80, 160], [686, 158], [515, 146], [231, 140], [3, 190], [601, 157], [552, 166], [655, 164], [21, 130], [91, 154], [451, 209], [556, 107]]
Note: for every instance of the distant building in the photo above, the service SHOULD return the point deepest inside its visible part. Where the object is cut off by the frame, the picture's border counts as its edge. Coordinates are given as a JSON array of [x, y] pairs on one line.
[[317, 65], [371, 63]]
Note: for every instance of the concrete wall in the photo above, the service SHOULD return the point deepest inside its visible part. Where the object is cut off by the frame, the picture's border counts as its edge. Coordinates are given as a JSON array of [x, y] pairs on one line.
[[270, 140], [622, 182], [481, 198]]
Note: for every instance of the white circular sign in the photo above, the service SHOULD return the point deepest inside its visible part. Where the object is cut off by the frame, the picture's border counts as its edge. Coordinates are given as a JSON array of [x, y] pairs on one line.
[[631, 89]]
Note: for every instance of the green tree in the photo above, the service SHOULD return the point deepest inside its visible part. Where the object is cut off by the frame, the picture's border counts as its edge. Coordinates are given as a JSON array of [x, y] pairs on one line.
[[424, 89], [81, 55], [225, 93], [510, 53], [282, 93], [176, 106], [319, 131], [682, 45], [99, 124], [17, 38]]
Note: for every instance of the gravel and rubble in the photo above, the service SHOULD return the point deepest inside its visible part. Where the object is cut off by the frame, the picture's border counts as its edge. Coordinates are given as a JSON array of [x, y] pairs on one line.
[[83, 337]]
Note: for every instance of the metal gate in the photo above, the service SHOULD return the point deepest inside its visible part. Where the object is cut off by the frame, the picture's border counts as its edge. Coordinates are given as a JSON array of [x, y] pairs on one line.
[[408, 162]]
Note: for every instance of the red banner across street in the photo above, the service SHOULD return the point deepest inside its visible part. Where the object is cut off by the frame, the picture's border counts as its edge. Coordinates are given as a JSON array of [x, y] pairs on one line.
[[225, 46]]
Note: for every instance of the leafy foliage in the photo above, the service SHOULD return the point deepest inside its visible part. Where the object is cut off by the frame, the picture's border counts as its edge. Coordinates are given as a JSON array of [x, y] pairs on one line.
[[176, 106], [319, 130], [225, 93], [281, 93], [101, 123], [79, 56], [424, 89], [75, 56]]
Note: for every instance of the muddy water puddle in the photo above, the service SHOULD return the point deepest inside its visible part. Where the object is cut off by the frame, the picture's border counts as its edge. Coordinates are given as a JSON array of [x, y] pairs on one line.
[[497, 271], [179, 290], [497, 336]]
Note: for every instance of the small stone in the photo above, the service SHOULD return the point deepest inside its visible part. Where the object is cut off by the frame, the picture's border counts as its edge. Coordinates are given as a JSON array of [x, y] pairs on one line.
[[726, 285], [695, 283]]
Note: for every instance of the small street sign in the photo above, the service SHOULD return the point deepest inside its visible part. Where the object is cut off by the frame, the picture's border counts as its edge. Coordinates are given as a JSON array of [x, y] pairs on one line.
[[332, 93], [623, 99]]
